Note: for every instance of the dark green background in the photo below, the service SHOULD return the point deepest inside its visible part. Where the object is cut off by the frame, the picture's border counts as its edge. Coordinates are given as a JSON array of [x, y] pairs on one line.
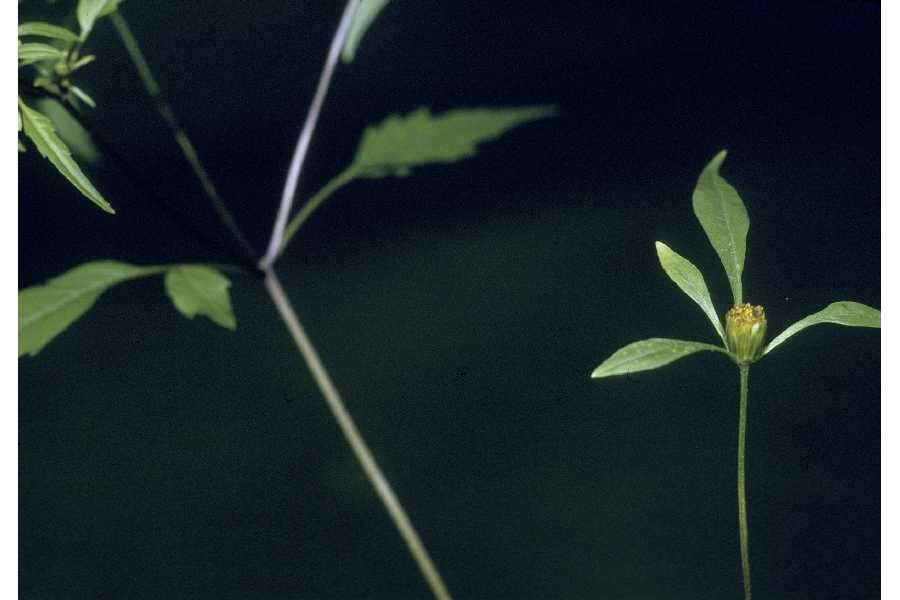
[[462, 309]]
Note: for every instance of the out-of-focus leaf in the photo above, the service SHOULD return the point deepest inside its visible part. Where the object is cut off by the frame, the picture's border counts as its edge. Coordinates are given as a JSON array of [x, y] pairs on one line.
[[198, 290], [90, 10], [649, 354], [362, 19], [47, 310], [688, 277], [47, 30], [722, 215], [851, 314], [399, 143], [39, 129], [36, 52], [69, 131]]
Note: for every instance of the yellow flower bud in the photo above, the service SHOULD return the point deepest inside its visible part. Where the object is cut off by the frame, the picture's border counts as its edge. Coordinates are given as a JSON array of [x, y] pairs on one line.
[[745, 332]]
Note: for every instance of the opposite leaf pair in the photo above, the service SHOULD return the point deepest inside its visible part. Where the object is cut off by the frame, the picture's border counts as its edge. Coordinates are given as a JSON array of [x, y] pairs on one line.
[[47, 310], [724, 219]]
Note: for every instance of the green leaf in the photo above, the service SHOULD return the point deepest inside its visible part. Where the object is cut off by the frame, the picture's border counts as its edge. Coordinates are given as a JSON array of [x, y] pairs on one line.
[[649, 354], [688, 277], [362, 19], [201, 290], [47, 310], [852, 314], [47, 30], [70, 131], [35, 52], [724, 219], [397, 144], [40, 130], [90, 10]]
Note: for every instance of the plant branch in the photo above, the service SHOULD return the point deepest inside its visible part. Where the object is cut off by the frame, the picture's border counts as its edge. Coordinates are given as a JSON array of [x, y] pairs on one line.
[[741, 482], [313, 204], [180, 135], [357, 443], [133, 176], [312, 117]]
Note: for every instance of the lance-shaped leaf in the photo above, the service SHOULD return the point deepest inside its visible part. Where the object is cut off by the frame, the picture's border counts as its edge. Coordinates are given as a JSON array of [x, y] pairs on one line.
[[40, 130], [47, 310], [852, 314], [90, 10], [34, 52], [399, 143], [198, 290], [688, 277], [47, 30], [724, 219], [649, 354], [362, 19]]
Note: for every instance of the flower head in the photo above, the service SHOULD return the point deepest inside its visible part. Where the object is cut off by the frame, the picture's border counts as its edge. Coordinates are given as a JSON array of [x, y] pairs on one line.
[[745, 332]]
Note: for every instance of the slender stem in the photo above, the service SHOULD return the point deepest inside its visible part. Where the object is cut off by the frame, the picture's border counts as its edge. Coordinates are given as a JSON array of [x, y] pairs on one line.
[[178, 132], [741, 482], [357, 443], [312, 117], [137, 181], [313, 203]]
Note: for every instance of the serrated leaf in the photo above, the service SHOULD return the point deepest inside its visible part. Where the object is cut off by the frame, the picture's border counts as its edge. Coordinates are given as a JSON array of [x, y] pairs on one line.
[[198, 290], [851, 314], [90, 10], [70, 131], [47, 30], [39, 129], [47, 310], [362, 19], [36, 52], [722, 215], [649, 354], [399, 143], [688, 277]]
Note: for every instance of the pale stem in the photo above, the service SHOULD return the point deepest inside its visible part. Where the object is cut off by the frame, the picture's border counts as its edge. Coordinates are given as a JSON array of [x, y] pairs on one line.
[[357, 443], [742, 484], [312, 117]]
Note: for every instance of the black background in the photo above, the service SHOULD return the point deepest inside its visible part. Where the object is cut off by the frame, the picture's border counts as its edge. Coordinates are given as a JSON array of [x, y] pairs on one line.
[[462, 309]]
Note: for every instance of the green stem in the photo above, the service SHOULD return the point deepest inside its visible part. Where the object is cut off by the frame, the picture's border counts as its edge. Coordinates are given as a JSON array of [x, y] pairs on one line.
[[178, 132], [313, 203], [741, 482]]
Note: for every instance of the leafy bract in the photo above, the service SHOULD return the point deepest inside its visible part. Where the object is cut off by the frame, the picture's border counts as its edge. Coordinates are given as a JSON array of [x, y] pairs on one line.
[[90, 10], [39, 129], [35, 52], [851, 314], [688, 277], [399, 143], [47, 310], [724, 219], [649, 354], [362, 19], [198, 290], [47, 30]]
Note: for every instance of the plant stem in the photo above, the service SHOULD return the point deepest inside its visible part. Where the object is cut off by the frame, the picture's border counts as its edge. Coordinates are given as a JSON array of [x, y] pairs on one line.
[[312, 117], [313, 203], [357, 443], [741, 481], [178, 132]]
